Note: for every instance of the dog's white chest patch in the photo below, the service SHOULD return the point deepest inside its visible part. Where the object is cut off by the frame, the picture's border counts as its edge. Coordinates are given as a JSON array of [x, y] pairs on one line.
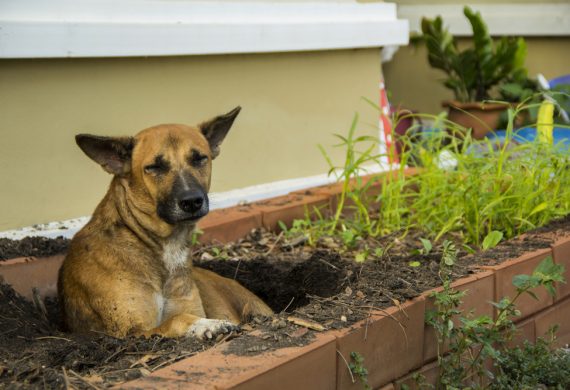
[[160, 303], [175, 252], [175, 255]]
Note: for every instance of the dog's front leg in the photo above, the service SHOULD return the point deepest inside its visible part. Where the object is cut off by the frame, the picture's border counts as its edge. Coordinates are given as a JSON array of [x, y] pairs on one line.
[[191, 326]]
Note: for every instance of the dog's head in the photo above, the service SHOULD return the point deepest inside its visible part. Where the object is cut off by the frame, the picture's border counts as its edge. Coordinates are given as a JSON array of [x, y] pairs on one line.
[[167, 167]]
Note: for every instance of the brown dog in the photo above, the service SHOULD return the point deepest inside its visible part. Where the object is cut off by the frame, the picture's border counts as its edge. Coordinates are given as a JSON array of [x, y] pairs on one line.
[[127, 270]]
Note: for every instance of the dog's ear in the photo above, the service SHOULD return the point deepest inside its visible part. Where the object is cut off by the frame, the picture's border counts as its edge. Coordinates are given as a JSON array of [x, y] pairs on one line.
[[112, 153], [215, 130]]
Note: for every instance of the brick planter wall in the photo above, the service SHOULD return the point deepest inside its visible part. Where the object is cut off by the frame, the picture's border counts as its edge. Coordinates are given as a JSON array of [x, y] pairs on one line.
[[394, 342]]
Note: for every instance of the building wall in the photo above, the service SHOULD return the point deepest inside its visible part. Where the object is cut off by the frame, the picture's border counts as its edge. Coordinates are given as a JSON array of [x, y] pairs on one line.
[[291, 102]]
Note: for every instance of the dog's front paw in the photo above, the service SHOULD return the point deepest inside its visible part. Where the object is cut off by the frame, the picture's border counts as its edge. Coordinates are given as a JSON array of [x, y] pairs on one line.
[[206, 328]]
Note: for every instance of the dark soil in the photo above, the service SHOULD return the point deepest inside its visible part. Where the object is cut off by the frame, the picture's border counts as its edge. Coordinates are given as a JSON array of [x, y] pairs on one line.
[[322, 284], [32, 246]]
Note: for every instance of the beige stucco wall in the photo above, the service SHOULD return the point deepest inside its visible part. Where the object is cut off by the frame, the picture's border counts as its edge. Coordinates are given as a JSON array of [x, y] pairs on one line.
[[291, 102]]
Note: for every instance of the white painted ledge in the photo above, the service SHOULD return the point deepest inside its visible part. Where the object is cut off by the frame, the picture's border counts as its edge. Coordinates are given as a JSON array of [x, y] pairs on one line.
[[90, 28], [502, 19]]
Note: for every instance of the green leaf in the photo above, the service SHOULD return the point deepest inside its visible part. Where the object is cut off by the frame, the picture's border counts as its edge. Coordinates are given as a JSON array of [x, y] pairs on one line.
[[520, 55], [492, 239], [282, 226], [414, 263], [532, 294], [360, 257], [427, 245], [539, 208], [521, 281], [468, 249], [546, 266]]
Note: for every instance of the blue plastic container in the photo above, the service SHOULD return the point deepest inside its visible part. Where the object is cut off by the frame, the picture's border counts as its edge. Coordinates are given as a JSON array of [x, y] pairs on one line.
[[528, 134]]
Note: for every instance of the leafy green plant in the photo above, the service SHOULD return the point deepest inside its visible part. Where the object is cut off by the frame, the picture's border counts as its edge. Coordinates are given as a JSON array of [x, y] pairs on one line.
[[505, 187], [195, 236], [357, 368], [533, 366], [492, 239], [473, 341], [350, 170], [473, 72], [427, 246], [481, 192]]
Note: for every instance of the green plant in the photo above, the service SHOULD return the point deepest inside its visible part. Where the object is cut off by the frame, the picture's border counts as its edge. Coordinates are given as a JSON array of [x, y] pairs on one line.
[[352, 166], [473, 72], [492, 239], [533, 366], [473, 341], [195, 236], [505, 187], [357, 368], [481, 192], [219, 253], [427, 246]]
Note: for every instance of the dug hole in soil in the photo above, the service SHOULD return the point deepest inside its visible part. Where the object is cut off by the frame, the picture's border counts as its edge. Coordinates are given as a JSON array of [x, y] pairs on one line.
[[321, 284]]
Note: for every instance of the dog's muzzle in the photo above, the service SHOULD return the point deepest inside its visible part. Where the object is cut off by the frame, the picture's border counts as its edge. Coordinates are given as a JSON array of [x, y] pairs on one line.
[[187, 206], [186, 202], [193, 203]]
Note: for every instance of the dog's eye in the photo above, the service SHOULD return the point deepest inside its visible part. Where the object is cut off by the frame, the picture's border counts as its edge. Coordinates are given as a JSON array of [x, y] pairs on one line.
[[156, 169], [159, 166], [198, 160]]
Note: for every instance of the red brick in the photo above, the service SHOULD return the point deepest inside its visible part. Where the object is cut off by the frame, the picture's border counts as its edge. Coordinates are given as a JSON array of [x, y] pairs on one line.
[[288, 208], [525, 264], [430, 375], [391, 343], [480, 292], [333, 192], [229, 224], [25, 273], [561, 255], [559, 315], [525, 331], [310, 367]]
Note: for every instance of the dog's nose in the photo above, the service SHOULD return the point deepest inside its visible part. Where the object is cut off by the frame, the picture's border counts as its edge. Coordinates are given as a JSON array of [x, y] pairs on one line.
[[191, 203]]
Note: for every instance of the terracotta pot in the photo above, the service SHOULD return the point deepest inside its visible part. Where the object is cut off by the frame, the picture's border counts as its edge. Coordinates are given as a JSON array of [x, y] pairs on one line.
[[480, 117]]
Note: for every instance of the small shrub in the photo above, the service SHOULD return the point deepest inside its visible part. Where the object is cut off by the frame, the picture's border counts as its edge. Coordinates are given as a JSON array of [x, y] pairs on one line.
[[533, 366], [357, 368], [474, 341]]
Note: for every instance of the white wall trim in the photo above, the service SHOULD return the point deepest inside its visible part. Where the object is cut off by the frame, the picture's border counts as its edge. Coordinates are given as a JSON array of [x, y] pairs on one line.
[[91, 28], [218, 200], [502, 19]]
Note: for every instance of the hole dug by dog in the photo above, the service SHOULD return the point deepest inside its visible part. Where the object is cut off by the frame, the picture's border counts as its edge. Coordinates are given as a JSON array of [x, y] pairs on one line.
[[285, 284]]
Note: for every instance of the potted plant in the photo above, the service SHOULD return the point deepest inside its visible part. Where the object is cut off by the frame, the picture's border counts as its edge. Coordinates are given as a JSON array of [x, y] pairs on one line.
[[486, 71]]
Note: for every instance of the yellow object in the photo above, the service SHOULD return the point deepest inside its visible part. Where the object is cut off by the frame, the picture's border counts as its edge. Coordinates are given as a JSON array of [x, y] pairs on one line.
[[545, 122]]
